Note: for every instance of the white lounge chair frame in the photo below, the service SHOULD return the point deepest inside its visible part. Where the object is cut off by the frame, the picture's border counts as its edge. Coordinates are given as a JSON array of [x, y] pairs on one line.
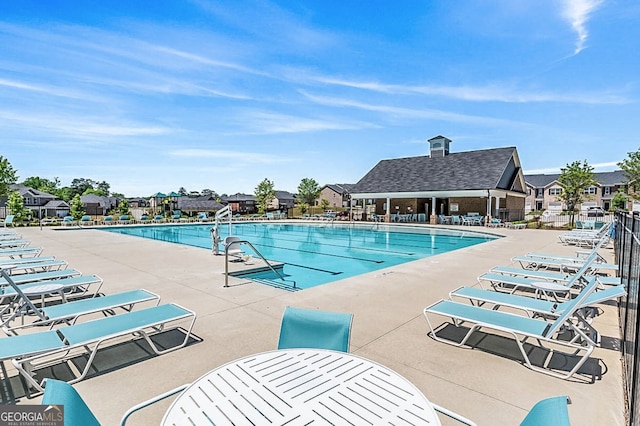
[[522, 329], [42, 349]]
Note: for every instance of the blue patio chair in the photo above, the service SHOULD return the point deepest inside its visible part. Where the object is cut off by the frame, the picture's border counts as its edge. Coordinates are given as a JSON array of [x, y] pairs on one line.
[[550, 411], [308, 328], [8, 221], [76, 411], [86, 220]]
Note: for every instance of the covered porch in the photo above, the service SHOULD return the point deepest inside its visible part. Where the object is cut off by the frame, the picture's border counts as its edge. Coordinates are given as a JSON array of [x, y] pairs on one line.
[[489, 203]]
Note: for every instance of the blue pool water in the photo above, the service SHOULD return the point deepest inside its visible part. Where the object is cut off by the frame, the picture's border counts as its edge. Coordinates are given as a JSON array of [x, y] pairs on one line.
[[317, 254]]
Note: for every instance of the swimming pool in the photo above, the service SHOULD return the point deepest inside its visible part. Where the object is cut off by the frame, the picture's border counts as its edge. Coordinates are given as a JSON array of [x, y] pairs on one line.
[[315, 254]]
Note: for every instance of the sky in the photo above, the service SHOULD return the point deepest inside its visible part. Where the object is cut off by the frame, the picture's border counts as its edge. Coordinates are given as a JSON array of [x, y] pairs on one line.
[[155, 96]]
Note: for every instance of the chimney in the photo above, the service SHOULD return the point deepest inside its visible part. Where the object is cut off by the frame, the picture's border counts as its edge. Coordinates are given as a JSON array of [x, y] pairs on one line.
[[439, 146]]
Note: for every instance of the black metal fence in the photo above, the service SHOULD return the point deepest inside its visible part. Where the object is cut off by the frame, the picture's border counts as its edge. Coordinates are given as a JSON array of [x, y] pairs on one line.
[[627, 246]]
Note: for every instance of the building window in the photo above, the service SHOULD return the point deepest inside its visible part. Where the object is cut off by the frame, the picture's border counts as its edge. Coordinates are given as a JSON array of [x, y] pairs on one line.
[[607, 190], [539, 193], [591, 190], [555, 191], [528, 191]]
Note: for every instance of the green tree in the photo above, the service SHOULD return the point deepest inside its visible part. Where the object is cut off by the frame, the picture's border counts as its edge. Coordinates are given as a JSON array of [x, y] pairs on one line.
[[76, 207], [574, 179], [97, 192], [619, 200], [303, 207], [631, 168], [42, 184], [264, 194], [15, 204], [104, 187], [123, 207], [308, 191], [324, 204], [8, 176], [80, 185]]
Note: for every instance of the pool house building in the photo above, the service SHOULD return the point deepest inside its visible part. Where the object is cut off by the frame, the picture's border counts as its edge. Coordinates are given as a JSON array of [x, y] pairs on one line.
[[487, 182]]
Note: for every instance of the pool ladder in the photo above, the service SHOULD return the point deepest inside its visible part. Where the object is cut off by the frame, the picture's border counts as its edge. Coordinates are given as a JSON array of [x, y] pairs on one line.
[[276, 284]]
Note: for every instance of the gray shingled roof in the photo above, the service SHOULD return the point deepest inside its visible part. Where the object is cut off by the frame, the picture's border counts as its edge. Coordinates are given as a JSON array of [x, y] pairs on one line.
[[615, 177], [459, 171]]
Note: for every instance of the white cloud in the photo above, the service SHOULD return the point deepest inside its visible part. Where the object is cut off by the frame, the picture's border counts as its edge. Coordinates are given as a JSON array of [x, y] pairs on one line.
[[247, 157], [489, 93], [577, 12]]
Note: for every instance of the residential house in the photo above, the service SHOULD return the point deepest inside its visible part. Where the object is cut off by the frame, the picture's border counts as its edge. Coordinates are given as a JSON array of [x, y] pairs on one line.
[[40, 203], [543, 191], [138, 202], [98, 205], [489, 182], [194, 205], [241, 203], [283, 201], [337, 195]]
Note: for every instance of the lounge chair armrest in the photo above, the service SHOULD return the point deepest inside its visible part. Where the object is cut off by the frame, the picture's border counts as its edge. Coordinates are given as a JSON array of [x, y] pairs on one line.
[[151, 401], [453, 415]]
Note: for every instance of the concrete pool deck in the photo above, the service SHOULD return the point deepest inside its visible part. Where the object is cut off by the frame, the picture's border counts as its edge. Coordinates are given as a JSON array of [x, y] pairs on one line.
[[388, 326]]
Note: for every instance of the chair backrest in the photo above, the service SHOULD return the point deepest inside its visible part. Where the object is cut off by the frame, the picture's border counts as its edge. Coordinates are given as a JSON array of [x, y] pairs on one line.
[[572, 306], [550, 411], [310, 328], [8, 220], [231, 239], [76, 411]]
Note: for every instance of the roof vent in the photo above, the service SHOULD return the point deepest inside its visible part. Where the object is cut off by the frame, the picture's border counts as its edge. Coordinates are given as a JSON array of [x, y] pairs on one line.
[[439, 146]]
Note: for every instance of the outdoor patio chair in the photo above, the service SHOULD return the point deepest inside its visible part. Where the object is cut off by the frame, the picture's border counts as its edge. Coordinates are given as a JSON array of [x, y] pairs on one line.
[[76, 411], [33, 351], [550, 411], [68, 313], [565, 265], [85, 220], [308, 328], [20, 252], [68, 221], [5, 244], [531, 306], [8, 221], [525, 331]]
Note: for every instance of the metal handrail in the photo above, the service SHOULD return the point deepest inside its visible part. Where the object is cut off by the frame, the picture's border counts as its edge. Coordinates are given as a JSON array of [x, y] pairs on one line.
[[226, 262]]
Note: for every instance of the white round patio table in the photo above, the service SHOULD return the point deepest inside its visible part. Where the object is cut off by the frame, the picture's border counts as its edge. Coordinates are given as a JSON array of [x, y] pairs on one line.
[[300, 387]]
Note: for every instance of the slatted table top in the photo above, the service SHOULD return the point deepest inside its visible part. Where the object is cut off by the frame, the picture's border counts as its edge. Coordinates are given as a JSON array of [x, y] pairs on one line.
[[301, 387]]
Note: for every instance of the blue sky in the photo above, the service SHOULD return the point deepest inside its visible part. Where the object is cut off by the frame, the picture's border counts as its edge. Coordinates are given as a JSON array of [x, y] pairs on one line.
[[157, 95]]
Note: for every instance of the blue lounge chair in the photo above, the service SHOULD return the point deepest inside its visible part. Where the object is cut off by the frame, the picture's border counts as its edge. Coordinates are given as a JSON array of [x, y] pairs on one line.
[[548, 335], [8, 221], [550, 411], [85, 220], [68, 221], [532, 306], [71, 311], [26, 350], [306, 328], [108, 220], [20, 252], [5, 244], [76, 411]]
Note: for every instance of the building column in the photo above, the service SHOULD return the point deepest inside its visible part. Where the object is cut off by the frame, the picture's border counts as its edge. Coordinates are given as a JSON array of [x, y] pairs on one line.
[[433, 218], [387, 214]]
